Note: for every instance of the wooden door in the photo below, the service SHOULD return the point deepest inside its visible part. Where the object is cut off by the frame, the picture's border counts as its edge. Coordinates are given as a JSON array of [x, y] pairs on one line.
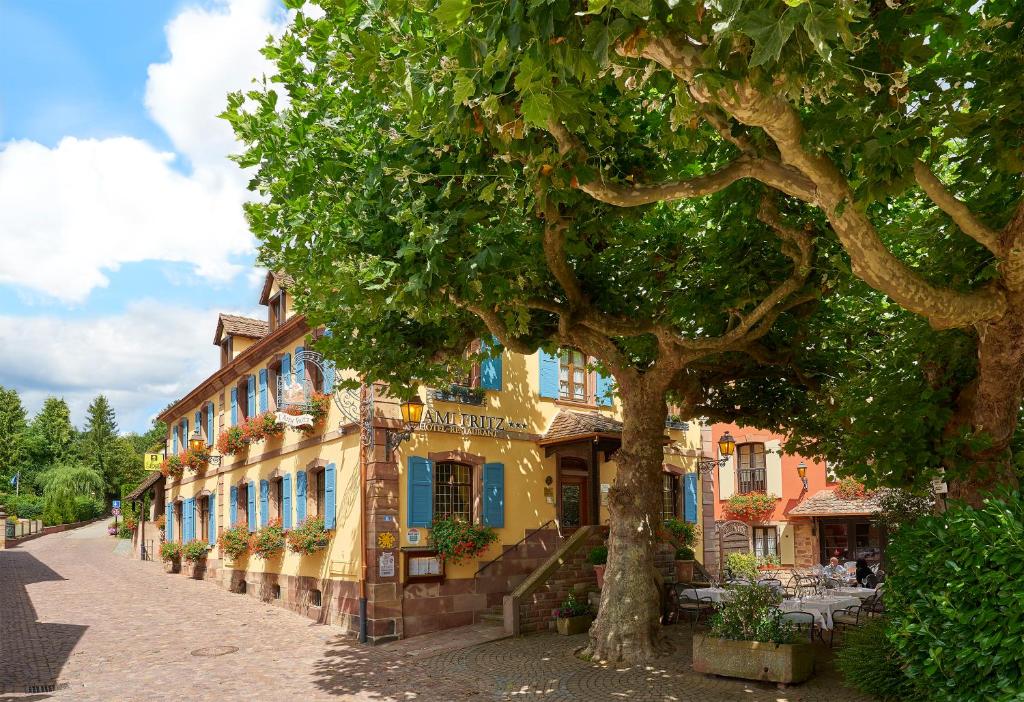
[[573, 501]]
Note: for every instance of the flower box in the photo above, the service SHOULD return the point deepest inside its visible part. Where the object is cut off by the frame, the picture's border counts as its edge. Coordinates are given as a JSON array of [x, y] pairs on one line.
[[459, 394], [567, 626], [753, 660]]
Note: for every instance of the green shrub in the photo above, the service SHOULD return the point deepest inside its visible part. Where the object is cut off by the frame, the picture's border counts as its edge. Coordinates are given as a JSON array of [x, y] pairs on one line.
[[685, 554], [742, 565], [870, 663], [194, 551], [681, 534], [753, 614], [598, 555], [954, 598], [26, 506]]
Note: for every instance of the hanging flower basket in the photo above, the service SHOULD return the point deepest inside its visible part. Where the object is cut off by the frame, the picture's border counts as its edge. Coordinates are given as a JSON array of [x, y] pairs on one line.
[[269, 426], [231, 441], [318, 408], [751, 507], [172, 467], [196, 460]]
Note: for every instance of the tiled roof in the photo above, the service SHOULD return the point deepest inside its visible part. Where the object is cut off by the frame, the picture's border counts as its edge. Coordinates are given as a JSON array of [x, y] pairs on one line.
[[826, 503], [151, 480], [570, 424], [284, 281], [241, 326]]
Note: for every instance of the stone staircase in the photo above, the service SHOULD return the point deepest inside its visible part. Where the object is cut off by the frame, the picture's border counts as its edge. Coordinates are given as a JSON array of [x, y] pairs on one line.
[[517, 562]]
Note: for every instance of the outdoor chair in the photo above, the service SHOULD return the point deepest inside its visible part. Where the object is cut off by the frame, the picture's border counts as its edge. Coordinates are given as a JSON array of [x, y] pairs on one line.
[[856, 616], [806, 585], [803, 621], [773, 583], [688, 601]]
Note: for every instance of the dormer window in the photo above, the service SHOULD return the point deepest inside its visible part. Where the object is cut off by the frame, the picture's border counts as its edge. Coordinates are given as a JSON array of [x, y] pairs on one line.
[[225, 351], [278, 310]]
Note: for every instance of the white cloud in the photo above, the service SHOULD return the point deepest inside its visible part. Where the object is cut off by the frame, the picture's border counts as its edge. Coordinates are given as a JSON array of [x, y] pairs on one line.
[[146, 356], [71, 212]]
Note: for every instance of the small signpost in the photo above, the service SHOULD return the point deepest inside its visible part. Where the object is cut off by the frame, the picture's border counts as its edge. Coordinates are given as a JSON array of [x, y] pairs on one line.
[[116, 511]]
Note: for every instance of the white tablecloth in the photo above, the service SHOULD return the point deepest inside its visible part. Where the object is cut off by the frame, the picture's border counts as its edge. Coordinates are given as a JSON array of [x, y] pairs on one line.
[[859, 592], [823, 605], [715, 594]]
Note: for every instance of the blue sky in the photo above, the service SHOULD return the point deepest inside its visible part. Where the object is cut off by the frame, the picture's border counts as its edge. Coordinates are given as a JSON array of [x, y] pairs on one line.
[[117, 200]]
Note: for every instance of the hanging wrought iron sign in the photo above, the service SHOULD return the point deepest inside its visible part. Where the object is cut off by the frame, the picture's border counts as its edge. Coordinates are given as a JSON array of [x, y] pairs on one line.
[[296, 392]]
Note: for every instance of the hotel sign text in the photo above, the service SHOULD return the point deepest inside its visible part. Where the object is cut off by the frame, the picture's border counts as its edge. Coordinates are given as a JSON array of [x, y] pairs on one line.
[[469, 424]]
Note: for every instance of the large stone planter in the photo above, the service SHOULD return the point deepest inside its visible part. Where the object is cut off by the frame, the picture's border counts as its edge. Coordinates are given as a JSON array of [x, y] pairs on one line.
[[172, 566], [195, 569], [568, 626], [599, 574], [753, 660], [684, 571]]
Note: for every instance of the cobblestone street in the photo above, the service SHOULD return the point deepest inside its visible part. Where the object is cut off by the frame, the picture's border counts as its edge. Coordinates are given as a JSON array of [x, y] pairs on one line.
[[75, 615]]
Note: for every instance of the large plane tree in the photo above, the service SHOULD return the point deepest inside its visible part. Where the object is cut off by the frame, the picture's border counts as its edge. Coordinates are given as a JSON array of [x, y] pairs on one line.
[[414, 224], [896, 125]]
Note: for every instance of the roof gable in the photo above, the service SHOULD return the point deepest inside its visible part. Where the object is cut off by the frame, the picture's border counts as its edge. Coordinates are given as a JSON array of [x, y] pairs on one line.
[[240, 326]]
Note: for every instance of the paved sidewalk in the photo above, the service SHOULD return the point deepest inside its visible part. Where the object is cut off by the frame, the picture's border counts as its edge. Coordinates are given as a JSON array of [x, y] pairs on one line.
[[102, 627]]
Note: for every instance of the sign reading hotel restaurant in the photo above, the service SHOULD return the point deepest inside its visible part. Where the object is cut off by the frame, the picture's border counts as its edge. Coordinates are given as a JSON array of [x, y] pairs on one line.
[[456, 422]]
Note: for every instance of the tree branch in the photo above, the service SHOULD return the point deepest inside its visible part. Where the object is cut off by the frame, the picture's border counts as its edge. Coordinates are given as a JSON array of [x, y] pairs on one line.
[[957, 210], [871, 260]]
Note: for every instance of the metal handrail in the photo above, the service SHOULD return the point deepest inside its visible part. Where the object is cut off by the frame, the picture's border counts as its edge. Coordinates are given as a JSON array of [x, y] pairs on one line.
[[487, 565]]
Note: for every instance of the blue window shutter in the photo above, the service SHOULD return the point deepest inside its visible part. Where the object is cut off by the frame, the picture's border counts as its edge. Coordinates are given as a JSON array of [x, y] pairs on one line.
[[494, 494], [300, 497], [286, 368], [174, 441], [251, 505], [169, 525], [300, 366], [186, 512], [329, 375], [329, 496], [251, 396], [192, 519], [421, 492], [490, 368], [264, 502], [234, 406], [548, 374], [199, 420], [184, 435], [604, 389], [286, 501], [234, 507], [210, 438], [264, 406], [690, 497], [211, 522]]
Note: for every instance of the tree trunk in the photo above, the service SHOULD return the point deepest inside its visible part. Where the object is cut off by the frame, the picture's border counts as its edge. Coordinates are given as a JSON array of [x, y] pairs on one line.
[[989, 408], [628, 626]]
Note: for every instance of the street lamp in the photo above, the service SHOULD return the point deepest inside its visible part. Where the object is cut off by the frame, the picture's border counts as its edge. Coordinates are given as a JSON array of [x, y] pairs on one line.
[[412, 413], [197, 444], [726, 447], [801, 470]]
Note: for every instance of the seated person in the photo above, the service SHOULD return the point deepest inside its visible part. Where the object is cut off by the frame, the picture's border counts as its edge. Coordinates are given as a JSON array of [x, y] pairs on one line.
[[834, 570], [864, 572]]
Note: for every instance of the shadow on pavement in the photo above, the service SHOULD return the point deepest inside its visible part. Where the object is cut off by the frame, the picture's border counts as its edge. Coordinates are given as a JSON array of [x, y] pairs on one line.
[[32, 653]]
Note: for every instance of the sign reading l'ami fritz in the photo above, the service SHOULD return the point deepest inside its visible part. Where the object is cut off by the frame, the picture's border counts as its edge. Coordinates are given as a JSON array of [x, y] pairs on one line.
[[470, 424], [294, 420]]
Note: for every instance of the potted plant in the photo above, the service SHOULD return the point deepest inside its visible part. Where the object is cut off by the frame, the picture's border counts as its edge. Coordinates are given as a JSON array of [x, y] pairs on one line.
[[196, 460], [309, 537], [749, 639], [172, 467], [598, 556], [267, 541], [574, 616], [683, 536], [234, 542], [769, 562], [170, 554], [194, 553], [231, 441], [742, 566], [456, 540]]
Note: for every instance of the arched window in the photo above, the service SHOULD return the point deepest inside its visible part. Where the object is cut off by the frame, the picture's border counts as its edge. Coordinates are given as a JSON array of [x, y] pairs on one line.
[[752, 476]]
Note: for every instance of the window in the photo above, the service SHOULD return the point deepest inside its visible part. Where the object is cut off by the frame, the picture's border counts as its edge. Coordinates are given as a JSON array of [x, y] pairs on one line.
[[766, 541], [242, 506], [278, 310], [752, 474], [225, 351], [178, 522], [321, 485], [203, 518], [572, 376], [453, 491], [669, 496], [472, 378], [276, 497]]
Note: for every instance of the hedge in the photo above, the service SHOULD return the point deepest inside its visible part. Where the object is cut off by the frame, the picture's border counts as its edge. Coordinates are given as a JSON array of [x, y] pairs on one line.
[[955, 598]]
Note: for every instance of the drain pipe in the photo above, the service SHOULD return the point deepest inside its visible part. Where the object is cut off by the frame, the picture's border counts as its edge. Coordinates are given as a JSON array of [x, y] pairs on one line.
[[366, 426]]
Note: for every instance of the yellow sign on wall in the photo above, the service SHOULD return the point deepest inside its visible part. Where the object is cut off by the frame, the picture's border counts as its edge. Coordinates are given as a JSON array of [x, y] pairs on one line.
[[152, 461]]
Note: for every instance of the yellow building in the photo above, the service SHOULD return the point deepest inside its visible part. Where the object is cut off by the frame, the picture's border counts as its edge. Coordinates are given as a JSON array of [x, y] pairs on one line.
[[525, 445]]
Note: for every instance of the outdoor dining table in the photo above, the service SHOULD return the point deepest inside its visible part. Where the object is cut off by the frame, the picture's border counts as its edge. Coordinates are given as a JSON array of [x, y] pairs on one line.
[[859, 592], [823, 605], [715, 594]]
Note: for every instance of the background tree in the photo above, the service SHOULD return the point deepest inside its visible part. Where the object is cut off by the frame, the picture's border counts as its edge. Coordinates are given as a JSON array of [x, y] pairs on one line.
[[99, 441], [70, 491], [897, 124], [413, 228], [50, 436], [12, 435]]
